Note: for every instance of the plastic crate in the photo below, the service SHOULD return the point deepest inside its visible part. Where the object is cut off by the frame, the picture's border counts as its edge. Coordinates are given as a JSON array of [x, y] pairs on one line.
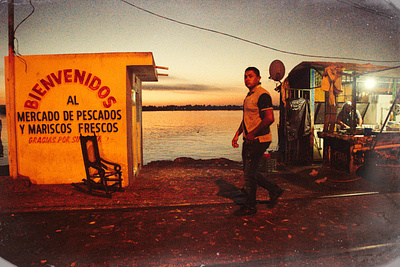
[[268, 164]]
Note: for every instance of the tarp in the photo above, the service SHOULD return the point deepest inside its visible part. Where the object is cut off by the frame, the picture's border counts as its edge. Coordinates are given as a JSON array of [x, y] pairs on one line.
[[299, 119]]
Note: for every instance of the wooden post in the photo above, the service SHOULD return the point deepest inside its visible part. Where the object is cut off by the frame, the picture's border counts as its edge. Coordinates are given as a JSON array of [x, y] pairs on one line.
[[11, 118]]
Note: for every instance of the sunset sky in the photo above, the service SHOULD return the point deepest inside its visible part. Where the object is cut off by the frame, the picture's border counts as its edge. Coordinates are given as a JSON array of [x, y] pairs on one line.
[[205, 64]]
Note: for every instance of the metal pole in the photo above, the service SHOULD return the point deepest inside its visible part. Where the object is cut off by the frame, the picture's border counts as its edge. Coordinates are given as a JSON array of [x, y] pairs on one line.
[[11, 118], [354, 105], [394, 90]]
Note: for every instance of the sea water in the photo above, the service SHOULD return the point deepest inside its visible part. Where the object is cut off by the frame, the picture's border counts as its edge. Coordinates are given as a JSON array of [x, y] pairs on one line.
[[168, 135]]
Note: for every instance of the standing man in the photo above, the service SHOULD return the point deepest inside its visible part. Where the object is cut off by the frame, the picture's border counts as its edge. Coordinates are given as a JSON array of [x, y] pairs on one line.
[[345, 116], [257, 117]]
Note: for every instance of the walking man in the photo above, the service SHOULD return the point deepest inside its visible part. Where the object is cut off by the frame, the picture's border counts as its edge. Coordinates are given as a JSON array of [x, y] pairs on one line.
[[257, 117]]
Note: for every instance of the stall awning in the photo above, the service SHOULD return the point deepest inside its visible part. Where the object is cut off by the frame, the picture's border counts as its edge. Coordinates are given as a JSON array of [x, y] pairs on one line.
[[299, 75], [348, 67], [146, 73]]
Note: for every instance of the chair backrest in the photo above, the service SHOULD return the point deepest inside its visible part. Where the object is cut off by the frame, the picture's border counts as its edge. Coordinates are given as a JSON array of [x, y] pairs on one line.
[[90, 151]]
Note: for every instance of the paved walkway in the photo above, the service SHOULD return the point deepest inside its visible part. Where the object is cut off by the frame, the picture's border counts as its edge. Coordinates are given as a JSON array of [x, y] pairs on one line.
[[316, 222], [180, 183]]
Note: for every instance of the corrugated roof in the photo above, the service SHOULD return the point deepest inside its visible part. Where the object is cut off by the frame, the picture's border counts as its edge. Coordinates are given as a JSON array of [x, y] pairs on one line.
[[357, 69]]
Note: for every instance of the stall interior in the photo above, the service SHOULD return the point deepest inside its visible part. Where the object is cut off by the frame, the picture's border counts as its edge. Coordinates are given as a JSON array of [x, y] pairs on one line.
[[313, 95]]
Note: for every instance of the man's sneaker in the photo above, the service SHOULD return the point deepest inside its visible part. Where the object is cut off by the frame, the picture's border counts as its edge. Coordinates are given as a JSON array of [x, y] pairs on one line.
[[245, 210], [273, 197]]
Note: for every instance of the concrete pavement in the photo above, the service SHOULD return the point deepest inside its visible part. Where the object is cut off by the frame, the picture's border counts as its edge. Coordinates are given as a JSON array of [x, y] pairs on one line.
[[181, 182], [180, 214]]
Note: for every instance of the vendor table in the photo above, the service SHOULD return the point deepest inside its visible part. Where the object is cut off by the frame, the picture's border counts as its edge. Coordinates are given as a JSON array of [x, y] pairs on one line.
[[340, 150], [347, 152]]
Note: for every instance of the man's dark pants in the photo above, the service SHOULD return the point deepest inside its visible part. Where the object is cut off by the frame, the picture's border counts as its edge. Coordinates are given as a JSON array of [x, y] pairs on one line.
[[252, 154]]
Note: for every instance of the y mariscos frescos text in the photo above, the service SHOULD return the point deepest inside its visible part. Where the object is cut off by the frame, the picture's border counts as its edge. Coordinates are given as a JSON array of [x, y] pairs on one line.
[[56, 122]]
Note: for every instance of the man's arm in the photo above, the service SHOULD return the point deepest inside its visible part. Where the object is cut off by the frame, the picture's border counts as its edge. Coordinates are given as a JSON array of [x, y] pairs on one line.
[[340, 122], [360, 120], [268, 119], [236, 137]]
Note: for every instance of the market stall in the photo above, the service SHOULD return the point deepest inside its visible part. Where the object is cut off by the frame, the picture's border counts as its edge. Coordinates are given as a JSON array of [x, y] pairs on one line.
[[325, 87], [60, 97]]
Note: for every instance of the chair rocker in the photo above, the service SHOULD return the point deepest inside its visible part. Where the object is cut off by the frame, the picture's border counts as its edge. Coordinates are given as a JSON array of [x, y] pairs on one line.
[[102, 177]]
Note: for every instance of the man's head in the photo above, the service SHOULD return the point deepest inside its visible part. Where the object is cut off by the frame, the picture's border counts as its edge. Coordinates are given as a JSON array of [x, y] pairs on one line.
[[252, 77], [347, 106]]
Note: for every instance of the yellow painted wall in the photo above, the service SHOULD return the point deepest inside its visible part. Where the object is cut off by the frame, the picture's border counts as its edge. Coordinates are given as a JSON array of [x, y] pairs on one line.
[[60, 96]]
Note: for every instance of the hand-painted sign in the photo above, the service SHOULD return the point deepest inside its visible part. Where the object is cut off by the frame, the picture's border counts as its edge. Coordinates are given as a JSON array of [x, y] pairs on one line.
[[60, 97], [94, 83]]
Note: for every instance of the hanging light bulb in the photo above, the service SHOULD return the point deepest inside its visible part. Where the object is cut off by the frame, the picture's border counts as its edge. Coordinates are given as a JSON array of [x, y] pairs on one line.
[[370, 83]]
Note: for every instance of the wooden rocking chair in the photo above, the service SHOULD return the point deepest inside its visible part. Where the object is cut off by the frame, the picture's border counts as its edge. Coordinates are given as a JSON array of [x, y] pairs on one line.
[[102, 177]]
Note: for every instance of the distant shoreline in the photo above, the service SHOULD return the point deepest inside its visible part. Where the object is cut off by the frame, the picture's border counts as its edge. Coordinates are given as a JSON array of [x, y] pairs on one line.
[[173, 108], [192, 108]]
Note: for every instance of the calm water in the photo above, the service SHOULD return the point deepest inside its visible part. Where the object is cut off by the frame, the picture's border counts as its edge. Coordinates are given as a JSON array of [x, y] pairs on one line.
[[168, 135], [4, 139]]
